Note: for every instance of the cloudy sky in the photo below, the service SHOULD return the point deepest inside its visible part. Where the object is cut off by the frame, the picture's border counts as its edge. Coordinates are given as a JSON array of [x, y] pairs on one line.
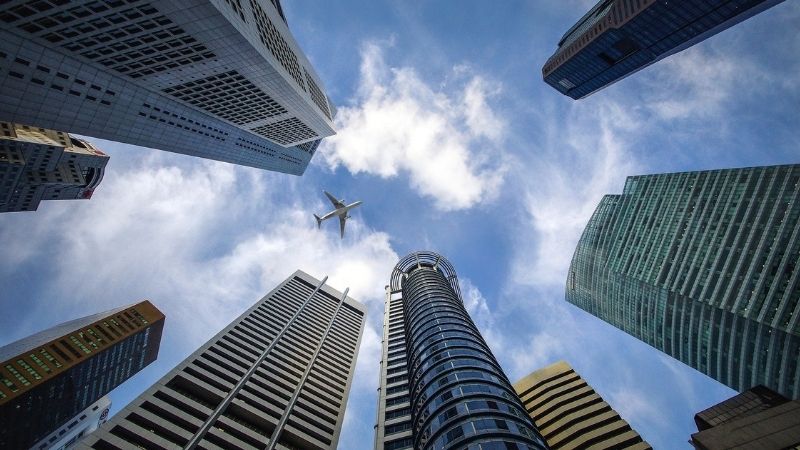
[[449, 136]]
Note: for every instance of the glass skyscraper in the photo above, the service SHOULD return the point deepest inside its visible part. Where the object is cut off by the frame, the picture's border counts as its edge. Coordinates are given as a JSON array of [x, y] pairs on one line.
[[619, 37], [276, 378], [704, 267], [441, 387], [47, 378]]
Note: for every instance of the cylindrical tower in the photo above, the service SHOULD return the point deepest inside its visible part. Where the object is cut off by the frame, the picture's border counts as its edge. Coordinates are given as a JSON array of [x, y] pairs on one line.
[[459, 395]]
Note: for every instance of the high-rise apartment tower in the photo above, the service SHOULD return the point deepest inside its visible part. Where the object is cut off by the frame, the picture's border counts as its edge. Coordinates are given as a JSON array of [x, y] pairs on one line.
[[571, 415], [38, 164], [440, 386], [218, 79], [48, 378], [704, 267], [619, 37], [277, 377]]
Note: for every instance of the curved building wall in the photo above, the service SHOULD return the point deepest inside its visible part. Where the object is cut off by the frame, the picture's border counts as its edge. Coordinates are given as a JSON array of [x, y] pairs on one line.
[[459, 396]]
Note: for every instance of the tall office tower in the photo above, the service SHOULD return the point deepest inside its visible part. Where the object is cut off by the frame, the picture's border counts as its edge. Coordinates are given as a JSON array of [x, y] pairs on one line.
[[441, 387], [218, 79], [46, 379], [38, 164], [571, 415], [275, 378], [619, 37], [704, 267], [86, 421], [758, 418]]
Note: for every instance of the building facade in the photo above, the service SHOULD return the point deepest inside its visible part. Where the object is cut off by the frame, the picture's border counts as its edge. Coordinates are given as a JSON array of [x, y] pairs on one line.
[[619, 37], [38, 164], [48, 378], [571, 415], [217, 79], [704, 267], [67, 435], [758, 418], [277, 377], [440, 386]]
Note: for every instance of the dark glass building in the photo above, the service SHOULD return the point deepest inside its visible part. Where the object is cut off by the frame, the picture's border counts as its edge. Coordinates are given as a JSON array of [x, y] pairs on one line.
[[48, 378], [276, 378], [619, 37], [704, 267], [441, 387], [758, 418]]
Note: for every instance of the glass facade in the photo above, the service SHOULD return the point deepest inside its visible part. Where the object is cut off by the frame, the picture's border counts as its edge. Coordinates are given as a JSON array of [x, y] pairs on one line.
[[53, 375], [451, 392], [702, 266], [619, 37]]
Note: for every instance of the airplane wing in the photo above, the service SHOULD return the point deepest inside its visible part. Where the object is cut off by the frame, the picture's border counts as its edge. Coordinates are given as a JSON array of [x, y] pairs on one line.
[[342, 220], [336, 203]]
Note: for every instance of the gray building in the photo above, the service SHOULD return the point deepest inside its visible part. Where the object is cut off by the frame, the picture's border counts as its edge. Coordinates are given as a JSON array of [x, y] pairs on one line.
[[218, 79], [277, 377], [704, 267], [617, 38], [38, 164], [757, 419], [440, 386]]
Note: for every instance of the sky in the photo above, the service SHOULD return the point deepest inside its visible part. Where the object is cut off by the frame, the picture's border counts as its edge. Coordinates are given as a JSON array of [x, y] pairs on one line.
[[448, 134]]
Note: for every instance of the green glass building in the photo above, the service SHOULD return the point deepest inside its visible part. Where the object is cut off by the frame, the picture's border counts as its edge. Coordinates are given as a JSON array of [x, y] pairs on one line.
[[704, 267]]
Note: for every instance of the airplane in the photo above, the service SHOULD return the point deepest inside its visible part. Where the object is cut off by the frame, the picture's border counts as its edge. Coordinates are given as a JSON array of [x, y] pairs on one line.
[[341, 211]]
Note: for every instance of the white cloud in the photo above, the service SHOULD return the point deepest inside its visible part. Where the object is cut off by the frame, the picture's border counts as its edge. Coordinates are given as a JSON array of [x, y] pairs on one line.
[[580, 160], [448, 142], [202, 241]]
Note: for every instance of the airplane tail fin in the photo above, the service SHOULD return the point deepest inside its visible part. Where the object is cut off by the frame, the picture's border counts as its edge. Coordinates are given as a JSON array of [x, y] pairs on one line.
[[319, 221]]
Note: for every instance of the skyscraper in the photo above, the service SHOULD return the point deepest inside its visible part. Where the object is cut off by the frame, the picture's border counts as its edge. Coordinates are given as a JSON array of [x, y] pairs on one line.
[[571, 415], [38, 164], [440, 386], [46, 379], [619, 37], [704, 267], [755, 419], [277, 377], [218, 79]]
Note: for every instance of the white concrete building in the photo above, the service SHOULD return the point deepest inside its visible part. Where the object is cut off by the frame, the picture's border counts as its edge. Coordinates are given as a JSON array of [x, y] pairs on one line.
[[218, 79]]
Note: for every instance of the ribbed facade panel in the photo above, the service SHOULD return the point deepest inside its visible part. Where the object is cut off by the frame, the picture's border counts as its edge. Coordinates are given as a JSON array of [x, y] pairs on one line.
[[441, 387], [571, 415], [619, 37], [218, 79], [276, 377], [703, 266]]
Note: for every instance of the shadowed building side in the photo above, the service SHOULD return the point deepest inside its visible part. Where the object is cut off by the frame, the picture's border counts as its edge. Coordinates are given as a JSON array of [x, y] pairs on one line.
[[617, 38], [49, 377], [571, 415], [758, 418]]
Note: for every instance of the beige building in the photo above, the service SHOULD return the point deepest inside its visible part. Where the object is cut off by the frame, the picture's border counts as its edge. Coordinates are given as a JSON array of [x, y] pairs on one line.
[[39, 164], [571, 415]]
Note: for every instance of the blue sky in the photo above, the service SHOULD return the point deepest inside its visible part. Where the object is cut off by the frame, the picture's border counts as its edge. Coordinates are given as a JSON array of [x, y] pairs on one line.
[[453, 142]]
